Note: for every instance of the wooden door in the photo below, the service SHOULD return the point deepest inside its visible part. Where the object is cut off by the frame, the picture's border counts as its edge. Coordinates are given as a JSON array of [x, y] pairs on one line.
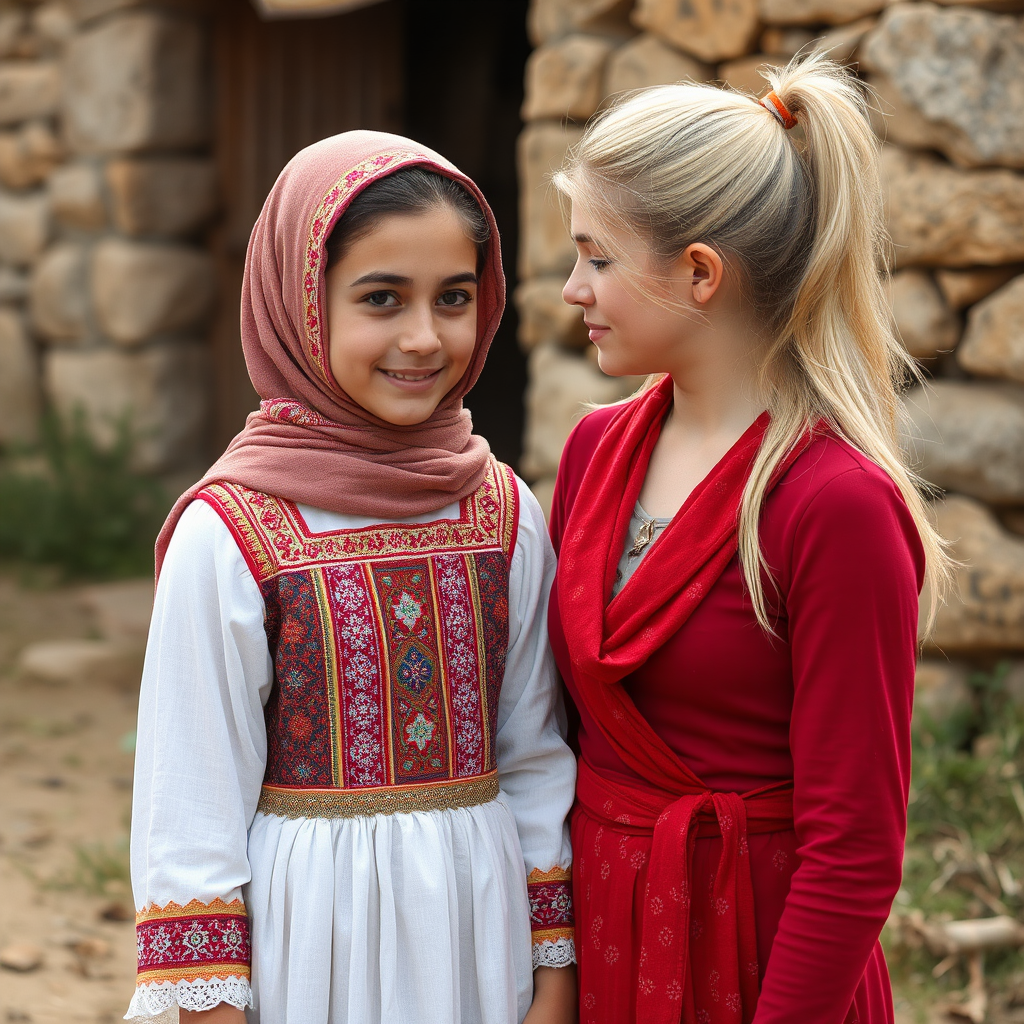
[[279, 86]]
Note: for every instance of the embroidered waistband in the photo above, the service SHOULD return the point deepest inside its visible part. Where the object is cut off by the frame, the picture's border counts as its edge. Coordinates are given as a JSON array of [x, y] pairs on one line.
[[355, 803]]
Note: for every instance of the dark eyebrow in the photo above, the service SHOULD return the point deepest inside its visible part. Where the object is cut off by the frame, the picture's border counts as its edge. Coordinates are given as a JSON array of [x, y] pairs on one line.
[[582, 239], [379, 277]]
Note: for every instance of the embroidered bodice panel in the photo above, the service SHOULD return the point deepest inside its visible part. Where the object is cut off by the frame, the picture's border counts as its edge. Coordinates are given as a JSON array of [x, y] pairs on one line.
[[388, 642]]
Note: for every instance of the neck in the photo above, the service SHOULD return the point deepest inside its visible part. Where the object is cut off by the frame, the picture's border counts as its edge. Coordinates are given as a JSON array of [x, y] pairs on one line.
[[715, 389]]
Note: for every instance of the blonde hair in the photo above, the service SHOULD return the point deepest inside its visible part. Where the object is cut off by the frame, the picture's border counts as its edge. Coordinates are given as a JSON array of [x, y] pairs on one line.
[[800, 218]]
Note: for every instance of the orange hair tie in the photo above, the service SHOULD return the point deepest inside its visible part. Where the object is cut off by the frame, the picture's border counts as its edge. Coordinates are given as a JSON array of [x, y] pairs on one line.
[[778, 110]]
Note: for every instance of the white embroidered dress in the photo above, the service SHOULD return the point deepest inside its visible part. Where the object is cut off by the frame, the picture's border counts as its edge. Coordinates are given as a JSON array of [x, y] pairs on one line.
[[318, 830]]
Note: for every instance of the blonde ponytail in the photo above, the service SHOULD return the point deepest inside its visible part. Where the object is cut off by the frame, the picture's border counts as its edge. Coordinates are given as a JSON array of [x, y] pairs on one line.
[[799, 215]]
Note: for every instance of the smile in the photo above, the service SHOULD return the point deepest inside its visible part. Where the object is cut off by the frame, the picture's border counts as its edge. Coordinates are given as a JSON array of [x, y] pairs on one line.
[[415, 377]]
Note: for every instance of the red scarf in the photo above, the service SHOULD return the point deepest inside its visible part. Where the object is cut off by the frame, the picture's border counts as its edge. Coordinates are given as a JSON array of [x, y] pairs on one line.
[[611, 639]]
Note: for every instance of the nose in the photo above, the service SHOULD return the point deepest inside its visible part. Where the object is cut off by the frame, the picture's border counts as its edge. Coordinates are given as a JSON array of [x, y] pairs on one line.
[[576, 291], [422, 335]]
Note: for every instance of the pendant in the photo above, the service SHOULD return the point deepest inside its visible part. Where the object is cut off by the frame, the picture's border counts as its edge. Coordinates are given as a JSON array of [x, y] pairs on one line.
[[644, 536]]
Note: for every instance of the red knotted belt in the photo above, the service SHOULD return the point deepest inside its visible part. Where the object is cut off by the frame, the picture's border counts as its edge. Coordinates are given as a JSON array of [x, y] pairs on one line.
[[666, 986]]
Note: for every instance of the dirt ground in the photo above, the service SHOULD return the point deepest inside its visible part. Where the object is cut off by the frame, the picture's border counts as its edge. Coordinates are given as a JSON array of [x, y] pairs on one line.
[[65, 796], [65, 799]]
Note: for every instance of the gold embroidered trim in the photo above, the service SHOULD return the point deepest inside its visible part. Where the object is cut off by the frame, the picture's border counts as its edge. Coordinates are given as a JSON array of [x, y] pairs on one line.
[[552, 934], [196, 908], [508, 497], [276, 539], [556, 874], [204, 972], [376, 166], [358, 803]]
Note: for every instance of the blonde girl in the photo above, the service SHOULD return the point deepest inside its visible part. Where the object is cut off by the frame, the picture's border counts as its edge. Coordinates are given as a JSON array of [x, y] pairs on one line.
[[741, 551]]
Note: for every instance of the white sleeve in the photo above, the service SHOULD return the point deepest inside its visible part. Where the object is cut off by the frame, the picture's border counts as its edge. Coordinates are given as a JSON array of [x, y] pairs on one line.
[[200, 759], [536, 768]]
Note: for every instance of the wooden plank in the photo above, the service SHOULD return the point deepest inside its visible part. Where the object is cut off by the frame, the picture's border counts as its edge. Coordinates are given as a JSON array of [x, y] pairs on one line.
[[279, 87], [309, 8]]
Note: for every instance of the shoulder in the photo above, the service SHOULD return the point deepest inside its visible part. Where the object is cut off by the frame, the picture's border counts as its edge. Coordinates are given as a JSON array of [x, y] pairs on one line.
[[533, 559], [835, 501], [532, 544], [200, 527], [202, 545], [576, 457], [530, 512], [831, 474], [586, 435]]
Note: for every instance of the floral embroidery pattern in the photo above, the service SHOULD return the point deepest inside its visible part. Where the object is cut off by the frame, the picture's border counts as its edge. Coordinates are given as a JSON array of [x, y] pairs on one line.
[[289, 411], [407, 610], [462, 639], [551, 916], [388, 645], [197, 941], [420, 738], [492, 583], [415, 671], [300, 748], [419, 731], [361, 697]]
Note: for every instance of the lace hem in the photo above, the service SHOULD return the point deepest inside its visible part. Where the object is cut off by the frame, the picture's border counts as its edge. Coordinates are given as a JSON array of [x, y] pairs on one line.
[[201, 994], [559, 953]]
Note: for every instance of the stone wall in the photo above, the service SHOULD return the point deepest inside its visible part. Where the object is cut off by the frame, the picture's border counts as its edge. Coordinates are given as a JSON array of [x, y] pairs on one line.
[[106, 187], [107, 190], [949, 80]]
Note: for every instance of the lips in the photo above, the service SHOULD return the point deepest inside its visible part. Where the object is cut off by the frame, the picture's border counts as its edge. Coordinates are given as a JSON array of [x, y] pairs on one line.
[[413, 382], [410, 375], [596, 331]]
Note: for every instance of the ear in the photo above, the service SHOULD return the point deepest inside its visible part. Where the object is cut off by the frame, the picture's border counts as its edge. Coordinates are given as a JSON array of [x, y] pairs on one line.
[[702, 271]]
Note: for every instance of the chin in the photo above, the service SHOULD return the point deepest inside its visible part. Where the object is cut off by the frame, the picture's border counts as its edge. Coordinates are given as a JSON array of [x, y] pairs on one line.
[[405, 416], [612, 367]]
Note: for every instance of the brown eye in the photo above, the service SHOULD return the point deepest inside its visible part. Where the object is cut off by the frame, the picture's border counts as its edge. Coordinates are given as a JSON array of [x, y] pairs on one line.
[[454, 298]]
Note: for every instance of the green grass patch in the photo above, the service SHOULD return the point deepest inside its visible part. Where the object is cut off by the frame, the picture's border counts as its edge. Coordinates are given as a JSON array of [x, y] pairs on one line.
[[965, 837], [79, 507]]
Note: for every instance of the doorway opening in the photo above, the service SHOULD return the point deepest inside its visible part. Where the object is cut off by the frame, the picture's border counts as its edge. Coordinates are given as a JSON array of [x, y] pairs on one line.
[[447, 73]]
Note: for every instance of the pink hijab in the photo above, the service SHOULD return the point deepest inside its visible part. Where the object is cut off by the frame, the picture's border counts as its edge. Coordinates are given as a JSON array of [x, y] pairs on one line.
[[309, 442]]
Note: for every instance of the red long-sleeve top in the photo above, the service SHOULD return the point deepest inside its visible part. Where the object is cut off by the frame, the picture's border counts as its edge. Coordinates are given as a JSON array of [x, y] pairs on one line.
[[826, 703]]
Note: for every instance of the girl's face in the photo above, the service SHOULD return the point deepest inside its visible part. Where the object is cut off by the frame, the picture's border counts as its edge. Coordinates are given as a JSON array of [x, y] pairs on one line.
[[634, 334], [401, 314]]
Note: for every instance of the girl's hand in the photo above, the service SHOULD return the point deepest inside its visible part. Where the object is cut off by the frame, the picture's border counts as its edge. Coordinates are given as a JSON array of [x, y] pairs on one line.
[[554, 996], [223, 1013]]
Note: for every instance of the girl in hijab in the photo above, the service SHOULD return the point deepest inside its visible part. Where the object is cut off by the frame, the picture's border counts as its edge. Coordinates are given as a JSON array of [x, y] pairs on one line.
[[351, 782], [741, 548]]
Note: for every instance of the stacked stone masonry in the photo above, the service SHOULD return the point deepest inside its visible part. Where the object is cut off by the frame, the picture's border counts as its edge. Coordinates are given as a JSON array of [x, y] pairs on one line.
[[951, 117], [107, 190]]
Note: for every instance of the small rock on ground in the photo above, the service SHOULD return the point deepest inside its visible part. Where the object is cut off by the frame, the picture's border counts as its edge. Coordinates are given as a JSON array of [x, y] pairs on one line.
[[21, 956]]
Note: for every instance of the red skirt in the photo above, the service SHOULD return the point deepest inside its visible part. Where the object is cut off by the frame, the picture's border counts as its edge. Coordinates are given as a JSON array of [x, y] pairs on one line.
[[611, 862]]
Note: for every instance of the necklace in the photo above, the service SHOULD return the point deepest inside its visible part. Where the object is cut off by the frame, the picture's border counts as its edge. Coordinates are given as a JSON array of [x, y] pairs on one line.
[[644, 536]]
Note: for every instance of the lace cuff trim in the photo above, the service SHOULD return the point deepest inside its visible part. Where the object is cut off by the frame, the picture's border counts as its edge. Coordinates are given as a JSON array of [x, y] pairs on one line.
[[201, 994], [560, 953]]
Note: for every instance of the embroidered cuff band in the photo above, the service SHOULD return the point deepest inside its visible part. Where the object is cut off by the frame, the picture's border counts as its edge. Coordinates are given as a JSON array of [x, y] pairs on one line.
[[551, 916], [197, 941]]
